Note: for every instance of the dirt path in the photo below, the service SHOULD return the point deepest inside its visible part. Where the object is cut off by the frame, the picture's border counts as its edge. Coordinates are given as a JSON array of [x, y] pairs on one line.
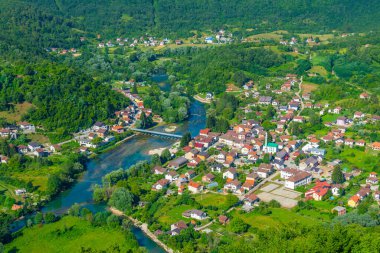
[[202, 100]]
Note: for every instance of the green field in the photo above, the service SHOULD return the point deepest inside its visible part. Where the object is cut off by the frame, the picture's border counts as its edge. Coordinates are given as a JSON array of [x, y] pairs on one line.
[[330, 118], [277, 217], [216, 200], [68, 235], [352, 157]]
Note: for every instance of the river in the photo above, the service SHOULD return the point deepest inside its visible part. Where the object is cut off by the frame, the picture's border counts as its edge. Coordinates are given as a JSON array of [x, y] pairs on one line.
[[123, 156]]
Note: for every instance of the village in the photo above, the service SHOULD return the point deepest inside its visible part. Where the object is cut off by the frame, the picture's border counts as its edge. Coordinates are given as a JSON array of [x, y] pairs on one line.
[[258, 166]]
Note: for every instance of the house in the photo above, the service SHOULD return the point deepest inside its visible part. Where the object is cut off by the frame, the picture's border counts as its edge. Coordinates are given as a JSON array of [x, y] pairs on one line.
[[265, 100], [117, 129], [299, 179], [4, 159], [364, 95], [359, 115], [336, 189], [360, 143], [223, 219], [353, 201], [40, 152], [318, 191], [372, 178], [232, 186], [208, 178], [204, 132], [375, 146], [230, 174], [282, 156], [171, 176], [248, 185], [22, 149], [270, 148], [251, 199], [32, 146], [248, 85], [309, 163], [27, 127], [190, 174], [161, 184], [340, 210], [158, 170], [337, 110], [264, 170], [101, 132], [177, 163], [299, 119], [286, 86], [176, 228], [341, 121], [349, 142], [209, 96], [288, 172], [99, 125], [194, 187], [363, 192], [195, 214], [20, 192], [217, 168]]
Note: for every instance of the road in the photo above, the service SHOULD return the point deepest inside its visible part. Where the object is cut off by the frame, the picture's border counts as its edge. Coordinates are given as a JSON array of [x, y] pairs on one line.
[[299, 95]]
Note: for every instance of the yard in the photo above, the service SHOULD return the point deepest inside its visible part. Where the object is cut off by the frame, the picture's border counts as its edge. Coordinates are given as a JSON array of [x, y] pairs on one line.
[[220, 201], [70, 234], [330, 117]]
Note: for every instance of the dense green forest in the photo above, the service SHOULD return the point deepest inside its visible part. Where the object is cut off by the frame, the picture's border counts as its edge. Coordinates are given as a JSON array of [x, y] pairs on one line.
[[173, 18]]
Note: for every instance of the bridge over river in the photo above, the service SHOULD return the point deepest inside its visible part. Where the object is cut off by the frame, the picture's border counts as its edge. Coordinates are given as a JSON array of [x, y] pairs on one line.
[[168, 135]]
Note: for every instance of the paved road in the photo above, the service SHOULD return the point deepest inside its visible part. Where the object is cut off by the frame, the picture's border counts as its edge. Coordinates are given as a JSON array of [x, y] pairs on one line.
[[299, 95]]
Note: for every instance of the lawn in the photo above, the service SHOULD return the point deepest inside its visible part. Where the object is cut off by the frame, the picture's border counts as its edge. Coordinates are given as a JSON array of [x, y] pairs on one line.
[[330, 117], [278, 216], [217, 200], [319, 70], [170, 214], [68, 235]]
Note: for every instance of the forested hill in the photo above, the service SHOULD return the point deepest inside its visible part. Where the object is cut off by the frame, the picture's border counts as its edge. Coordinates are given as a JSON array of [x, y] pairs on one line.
[[179, 17]]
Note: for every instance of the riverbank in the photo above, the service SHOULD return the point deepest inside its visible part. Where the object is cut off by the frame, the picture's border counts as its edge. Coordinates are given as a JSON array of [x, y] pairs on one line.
[[143, 227], [202, 100]]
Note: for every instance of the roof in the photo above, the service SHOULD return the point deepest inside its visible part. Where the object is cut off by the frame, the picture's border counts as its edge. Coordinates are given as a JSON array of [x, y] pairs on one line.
[[355, 198], [251, 197], [194, 184], [301, 175], [272, 144]]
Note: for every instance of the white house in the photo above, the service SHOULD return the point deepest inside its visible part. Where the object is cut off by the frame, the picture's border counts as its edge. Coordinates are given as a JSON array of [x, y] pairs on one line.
[[230, 174], [299, 179]]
